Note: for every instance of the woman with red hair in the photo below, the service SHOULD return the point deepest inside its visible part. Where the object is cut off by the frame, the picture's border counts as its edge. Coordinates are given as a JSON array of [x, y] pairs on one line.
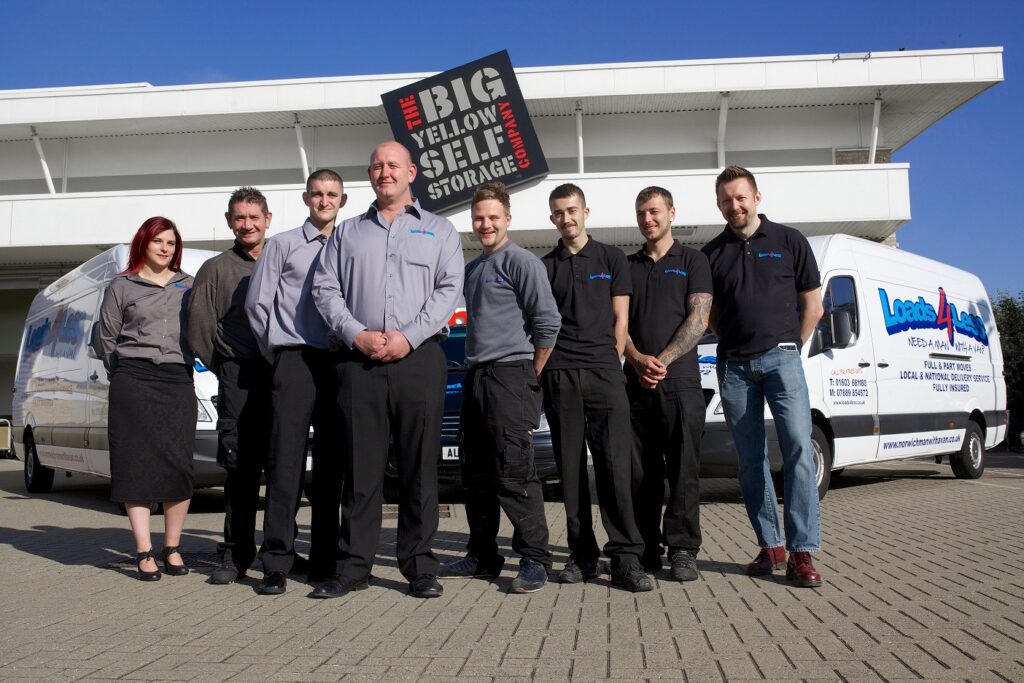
[[152, 409]]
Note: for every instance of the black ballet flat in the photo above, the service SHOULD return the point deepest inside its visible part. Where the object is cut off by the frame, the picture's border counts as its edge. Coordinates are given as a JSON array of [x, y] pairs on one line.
[[143, 574], [173, 569]]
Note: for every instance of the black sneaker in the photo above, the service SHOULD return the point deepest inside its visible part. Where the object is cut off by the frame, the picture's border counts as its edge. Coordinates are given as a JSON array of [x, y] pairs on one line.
[[531, 578], [684, 565], [226, 572], [633, 579], [470, 567], [578, 571]]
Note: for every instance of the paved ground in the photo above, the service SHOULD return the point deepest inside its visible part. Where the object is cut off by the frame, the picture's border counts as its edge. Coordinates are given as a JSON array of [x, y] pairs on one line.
[[925, 581]]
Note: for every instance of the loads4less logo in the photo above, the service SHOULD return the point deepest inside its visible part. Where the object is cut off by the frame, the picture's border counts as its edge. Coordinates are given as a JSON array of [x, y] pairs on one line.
[[906, 314]]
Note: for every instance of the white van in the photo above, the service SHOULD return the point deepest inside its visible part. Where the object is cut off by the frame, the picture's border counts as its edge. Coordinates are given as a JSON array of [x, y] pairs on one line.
[[60, 386], [905, 363]]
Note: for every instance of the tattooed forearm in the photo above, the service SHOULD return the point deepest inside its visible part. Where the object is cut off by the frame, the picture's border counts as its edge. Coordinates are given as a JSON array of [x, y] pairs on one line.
[[692, 329]]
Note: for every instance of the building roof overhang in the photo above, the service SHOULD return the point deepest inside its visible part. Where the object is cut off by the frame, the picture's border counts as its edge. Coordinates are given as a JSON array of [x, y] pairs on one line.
[[917, 89]]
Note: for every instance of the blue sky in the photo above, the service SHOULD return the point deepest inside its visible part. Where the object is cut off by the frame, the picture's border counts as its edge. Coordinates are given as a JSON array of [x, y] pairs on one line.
[[959, 167]]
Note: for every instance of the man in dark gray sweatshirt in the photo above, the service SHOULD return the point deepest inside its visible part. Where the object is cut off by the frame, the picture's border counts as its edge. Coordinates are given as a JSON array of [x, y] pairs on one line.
[[219, 333], [513, 323]]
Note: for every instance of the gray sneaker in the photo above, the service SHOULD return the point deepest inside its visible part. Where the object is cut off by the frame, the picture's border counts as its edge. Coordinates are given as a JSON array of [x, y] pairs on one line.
[[531, 578], [470, 567], [633, 579], [578, 571], [684, 565]]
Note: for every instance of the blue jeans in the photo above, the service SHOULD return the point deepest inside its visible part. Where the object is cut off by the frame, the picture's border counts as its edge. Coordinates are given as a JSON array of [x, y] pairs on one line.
[[778, 377]]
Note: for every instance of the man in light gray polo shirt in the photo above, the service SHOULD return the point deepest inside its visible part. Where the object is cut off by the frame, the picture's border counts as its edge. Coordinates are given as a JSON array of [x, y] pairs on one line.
[[512, 328], [387, 282], [292, 336]]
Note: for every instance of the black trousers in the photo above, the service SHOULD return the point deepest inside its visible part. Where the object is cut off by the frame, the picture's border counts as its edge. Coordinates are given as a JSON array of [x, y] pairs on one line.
[[588, 406], [397, 404], [303, 394], [668, 422], [243, 430], [500, 409]]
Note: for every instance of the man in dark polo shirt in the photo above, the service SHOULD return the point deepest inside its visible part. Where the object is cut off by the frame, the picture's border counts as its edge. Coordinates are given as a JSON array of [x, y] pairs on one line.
[[767, 303], [585, 395], [668, 314], [219, 334]]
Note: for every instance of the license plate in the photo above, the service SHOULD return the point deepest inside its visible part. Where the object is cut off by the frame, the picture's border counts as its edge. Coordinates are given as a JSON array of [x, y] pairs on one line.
[[449, 452]]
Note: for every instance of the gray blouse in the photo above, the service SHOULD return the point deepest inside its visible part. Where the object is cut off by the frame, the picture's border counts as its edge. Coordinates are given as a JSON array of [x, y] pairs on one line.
[[140, 319]]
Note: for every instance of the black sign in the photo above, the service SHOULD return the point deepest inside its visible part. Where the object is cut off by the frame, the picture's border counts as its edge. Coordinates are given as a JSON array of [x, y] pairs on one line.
[[465, 127]]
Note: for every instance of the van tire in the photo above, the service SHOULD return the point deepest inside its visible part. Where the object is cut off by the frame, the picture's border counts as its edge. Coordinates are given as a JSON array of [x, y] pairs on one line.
[[822, 459], [969, 462], [822, 451], [38, 478]]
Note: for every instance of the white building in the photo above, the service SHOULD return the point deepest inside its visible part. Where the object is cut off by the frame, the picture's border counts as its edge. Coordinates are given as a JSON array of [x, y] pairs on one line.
[[81, 168]]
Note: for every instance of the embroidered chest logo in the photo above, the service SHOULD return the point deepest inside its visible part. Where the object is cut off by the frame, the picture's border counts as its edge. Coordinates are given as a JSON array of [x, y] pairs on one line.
[[601, 276], [769, 254], [675, 271], [495, 280], [420, 231]]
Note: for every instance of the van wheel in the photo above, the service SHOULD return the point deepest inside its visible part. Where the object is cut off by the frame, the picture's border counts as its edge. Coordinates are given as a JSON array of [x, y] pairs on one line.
[[822, 452], [969, 463], [38, 479], [822, 459]]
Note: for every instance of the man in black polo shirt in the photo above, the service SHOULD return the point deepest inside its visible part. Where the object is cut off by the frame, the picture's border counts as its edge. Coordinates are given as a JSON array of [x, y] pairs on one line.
[[668, 314], [585, 396], [767, 303]]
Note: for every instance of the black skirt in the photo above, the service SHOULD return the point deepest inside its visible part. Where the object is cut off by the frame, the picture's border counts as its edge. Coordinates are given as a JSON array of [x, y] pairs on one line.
[[151, 426]]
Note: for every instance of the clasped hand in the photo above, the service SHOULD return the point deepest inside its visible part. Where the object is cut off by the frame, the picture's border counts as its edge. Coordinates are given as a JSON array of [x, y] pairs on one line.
[[650, 369], [385, 347]]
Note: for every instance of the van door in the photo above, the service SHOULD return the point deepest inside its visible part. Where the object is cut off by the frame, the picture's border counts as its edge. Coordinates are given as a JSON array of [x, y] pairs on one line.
[[848, 375]]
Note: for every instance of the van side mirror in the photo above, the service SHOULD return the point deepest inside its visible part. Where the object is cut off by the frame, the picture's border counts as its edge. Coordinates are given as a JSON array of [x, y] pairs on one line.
[[842, 329]]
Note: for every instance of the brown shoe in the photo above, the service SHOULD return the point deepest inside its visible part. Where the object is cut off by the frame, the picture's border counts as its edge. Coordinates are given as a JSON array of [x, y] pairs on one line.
[[800, 570], [767, 560]]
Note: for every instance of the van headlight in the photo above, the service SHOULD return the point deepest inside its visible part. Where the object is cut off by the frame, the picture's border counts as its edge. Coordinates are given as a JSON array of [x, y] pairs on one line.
[[542, 424], [719, 410], [204, 414]]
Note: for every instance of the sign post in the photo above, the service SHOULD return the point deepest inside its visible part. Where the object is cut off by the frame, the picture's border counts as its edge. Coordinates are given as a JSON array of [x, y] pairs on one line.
[[465, 127]]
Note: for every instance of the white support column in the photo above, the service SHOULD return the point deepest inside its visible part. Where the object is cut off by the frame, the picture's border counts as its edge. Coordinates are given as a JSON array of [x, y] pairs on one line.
[[874, 128], [42, 161], [579, 138], [64, 175], [302, 148], [723, 115]]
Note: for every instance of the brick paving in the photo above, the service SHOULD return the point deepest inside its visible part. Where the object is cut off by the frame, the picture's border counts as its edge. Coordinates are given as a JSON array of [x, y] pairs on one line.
[[924, 581]]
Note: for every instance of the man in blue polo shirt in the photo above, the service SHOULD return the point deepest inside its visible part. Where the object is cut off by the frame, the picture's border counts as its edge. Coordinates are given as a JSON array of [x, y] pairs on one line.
[[668, 314], [585, 394], [767, 301]]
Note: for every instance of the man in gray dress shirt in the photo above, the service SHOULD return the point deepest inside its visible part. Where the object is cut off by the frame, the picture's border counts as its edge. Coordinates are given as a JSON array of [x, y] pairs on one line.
[[387, 282], [292, 336]]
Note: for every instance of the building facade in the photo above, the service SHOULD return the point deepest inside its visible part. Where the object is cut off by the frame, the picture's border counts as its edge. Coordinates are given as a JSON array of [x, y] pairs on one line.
[[82, 167]]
